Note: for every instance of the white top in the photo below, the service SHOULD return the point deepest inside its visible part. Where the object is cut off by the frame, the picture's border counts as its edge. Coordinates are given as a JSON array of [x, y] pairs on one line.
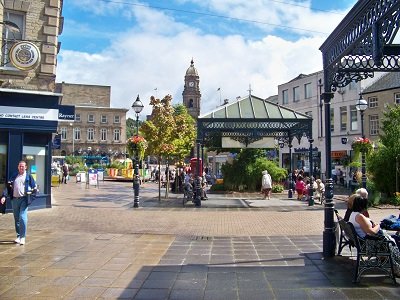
[[19, 186], [357, 226]]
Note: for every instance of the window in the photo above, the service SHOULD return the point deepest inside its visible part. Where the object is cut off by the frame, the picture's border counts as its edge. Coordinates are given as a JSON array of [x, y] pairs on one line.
[[103, 134], [296, 94], [90, 134], [373, 124], [117, 119], [90, 118], [372, 102], [353, 118], [285, 97], [103, 119], [11, 35], [77, 134], [332, 119], [397, 98], [307, 91], [117, 135], [63, 133], [35, 158], [191, 103], [77, 117], [343, 118]]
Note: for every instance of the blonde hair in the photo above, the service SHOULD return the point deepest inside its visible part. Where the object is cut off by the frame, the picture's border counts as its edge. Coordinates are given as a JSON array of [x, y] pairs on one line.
[[350, 201]]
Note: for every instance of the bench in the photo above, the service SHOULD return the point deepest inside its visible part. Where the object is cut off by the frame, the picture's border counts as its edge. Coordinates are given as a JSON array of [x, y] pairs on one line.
[[373, 252]]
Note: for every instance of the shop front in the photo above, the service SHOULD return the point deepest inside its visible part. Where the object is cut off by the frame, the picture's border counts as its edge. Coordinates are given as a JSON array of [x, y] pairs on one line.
[[27, 121]]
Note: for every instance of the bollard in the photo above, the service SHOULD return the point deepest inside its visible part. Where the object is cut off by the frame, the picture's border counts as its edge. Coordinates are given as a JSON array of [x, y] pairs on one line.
[[290, 193]]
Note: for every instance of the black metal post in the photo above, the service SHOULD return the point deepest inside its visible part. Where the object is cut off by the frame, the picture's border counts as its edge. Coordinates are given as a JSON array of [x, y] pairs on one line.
[[311, 191], [197, 181], [136, 177], [363, 172], [290, 191], [329, 240]]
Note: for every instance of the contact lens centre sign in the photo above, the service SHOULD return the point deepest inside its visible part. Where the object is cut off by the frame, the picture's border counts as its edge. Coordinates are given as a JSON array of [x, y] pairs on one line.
[[24, 55]]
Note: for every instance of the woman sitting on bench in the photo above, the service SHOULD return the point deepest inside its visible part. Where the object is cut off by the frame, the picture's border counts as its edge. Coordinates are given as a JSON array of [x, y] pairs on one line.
[[364, 226]]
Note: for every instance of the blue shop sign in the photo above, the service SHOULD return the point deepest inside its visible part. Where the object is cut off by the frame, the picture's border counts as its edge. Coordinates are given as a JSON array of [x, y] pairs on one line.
[[66, 112]]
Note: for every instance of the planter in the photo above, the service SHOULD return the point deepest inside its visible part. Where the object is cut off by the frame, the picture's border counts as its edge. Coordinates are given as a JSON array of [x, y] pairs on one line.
[[112, 172]]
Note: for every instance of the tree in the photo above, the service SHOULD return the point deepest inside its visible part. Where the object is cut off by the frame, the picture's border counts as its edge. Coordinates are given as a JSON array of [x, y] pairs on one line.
[[131, 127], [170, 131], [380, 163]]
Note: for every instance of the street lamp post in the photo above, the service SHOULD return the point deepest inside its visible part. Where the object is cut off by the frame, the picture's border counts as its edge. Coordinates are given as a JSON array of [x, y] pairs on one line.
[[73, 139], [137, 107], [362, 105]]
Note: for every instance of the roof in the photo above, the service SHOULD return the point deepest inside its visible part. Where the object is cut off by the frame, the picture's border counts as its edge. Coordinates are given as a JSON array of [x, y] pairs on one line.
[[191, 71], [252, 107], [388, 81]]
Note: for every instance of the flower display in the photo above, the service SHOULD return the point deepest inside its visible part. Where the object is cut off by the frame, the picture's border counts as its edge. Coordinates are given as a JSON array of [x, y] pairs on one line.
[[136, 145], [361, 145]]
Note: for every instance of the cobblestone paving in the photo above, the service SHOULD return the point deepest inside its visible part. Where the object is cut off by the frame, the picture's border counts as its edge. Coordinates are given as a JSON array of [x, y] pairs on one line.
[[93, 245]]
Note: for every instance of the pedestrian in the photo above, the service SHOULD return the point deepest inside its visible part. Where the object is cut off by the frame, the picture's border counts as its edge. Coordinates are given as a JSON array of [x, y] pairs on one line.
[[300, 187], [266, 184], [65, 172], [19, 188]]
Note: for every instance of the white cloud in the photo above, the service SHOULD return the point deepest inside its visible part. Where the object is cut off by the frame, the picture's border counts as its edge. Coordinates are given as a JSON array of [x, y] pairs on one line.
[[157, 52]]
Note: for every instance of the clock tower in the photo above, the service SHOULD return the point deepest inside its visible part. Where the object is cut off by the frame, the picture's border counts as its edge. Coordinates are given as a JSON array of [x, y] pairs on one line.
[[191, 92]]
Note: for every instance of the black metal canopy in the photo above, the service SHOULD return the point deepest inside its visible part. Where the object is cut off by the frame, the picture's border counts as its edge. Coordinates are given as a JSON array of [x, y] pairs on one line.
[[251, 118], [362, 43]]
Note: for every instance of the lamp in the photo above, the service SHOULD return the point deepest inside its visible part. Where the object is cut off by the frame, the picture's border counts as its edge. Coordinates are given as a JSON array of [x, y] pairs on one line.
[[73, 139], [362, 105], [137, 107]]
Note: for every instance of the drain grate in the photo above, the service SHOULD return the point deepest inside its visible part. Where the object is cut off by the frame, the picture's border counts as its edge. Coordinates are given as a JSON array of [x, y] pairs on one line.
[[201, 238]]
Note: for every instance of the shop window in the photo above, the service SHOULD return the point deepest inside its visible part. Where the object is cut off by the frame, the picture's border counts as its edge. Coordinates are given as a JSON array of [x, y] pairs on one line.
[[35, 158], [13, 31]]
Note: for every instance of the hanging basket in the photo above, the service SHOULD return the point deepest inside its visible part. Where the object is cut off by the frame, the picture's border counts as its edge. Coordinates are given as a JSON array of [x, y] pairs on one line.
[[361, 145], [136, 146]]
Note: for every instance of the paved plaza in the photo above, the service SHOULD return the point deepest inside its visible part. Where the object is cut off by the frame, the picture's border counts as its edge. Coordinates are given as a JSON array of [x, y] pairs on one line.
[[93, 245]]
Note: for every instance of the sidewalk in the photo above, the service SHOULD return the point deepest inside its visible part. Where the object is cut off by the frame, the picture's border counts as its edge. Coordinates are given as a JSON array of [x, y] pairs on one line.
[[93, 245]]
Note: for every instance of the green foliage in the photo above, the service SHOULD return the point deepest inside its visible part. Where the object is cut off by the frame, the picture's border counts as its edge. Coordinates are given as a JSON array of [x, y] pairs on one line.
[[277, 188], [116, 165], [381, 164], [246, 170], [170, 132]]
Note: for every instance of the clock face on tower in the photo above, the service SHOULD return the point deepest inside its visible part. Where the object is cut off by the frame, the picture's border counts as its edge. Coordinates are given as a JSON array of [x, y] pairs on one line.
[[191, 83]]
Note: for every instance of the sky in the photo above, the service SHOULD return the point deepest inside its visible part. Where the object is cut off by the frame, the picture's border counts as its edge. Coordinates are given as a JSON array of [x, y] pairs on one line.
[[145, 47]]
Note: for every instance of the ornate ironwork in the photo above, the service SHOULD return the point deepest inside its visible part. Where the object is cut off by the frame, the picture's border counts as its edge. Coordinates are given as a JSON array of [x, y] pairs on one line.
[[360, 45]]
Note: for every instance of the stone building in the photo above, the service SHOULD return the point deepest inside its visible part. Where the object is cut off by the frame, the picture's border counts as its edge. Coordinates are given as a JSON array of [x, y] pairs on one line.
[[98, 128], [29, 107]]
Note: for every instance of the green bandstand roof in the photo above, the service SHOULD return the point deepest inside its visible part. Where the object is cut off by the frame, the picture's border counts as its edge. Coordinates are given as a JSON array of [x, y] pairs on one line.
[[252, 118]]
